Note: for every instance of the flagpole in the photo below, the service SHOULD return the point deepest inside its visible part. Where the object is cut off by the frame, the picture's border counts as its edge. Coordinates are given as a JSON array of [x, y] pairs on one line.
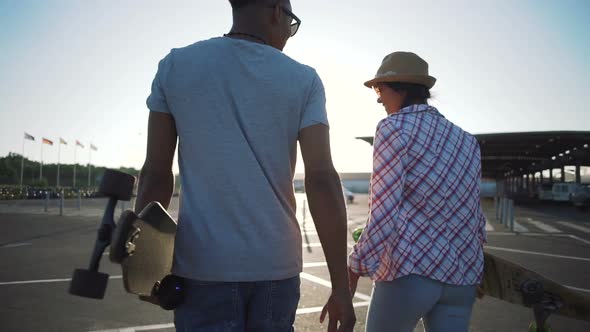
[[41, 165], [89, 162], [58, 157], [22, 164], [75, 162]]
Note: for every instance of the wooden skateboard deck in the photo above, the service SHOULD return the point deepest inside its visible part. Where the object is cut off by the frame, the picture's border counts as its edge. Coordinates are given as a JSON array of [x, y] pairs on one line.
[[144, 246], [505, 280]]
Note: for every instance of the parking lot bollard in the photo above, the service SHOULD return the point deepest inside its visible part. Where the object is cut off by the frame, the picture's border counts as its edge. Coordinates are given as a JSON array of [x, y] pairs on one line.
[[505, 211], [61, 203], [79, 200], [497, 206], [46, 201], [511, 215], [501, 208]]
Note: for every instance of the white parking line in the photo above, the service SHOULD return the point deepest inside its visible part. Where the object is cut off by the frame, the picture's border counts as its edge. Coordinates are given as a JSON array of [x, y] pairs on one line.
[[578, 289], [44, 281], [544, 227], [15, 245], [537, 253], [140, 328], [578, 238], [520, 228], [328, 284], [574, 226], [312, 310], [319, 245]]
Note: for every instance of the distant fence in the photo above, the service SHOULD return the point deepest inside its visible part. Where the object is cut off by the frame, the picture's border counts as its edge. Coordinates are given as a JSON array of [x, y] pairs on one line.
[[17, 192]]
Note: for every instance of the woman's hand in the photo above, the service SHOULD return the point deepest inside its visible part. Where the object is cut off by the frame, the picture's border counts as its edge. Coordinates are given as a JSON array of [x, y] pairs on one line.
[[479, 293], [353, 280]]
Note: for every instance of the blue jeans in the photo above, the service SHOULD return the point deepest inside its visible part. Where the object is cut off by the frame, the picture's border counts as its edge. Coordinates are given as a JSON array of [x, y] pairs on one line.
[[398, 305], [238, 306]]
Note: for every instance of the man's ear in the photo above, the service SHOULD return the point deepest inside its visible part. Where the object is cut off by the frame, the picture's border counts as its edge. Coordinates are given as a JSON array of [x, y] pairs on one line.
[[276, 15]]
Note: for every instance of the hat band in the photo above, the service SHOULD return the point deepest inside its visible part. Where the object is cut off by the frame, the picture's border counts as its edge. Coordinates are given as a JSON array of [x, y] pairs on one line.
[[389, 73]]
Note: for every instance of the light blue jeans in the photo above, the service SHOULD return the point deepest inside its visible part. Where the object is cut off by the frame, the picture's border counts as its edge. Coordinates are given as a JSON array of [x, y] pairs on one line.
[[262, 306], [396, 306]]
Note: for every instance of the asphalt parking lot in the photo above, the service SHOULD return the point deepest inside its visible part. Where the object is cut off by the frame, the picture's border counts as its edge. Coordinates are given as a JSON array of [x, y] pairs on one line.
[[39, 250]]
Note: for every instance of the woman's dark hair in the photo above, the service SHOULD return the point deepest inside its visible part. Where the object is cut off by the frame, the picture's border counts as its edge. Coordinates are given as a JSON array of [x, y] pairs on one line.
[[415, 93]]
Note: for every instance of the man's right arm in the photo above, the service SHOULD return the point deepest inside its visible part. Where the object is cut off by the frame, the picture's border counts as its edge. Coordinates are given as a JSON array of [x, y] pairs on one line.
[[326, 200], [328, 210]]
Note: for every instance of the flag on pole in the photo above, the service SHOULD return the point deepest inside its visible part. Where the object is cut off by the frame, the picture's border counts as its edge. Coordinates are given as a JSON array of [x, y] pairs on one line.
[[62, 141], [46, 141], [29, 137], [79, 144], [93, 147]]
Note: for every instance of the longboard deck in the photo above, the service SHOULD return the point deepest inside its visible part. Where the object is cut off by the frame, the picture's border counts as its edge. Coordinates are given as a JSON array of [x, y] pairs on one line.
[[153, 252], [503, 279]]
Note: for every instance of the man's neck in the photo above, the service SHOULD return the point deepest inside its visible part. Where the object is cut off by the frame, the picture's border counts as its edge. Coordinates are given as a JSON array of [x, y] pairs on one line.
[[243, 34], [250, 27]]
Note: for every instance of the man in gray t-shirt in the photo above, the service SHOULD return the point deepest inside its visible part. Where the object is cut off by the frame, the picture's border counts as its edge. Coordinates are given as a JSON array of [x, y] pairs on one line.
[[238, 106]]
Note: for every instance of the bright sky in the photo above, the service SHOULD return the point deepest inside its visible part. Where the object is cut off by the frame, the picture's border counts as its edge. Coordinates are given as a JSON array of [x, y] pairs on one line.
[[83, 69]]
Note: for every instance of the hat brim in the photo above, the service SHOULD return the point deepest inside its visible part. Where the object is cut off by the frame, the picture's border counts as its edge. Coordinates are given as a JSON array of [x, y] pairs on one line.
[[427, 81]]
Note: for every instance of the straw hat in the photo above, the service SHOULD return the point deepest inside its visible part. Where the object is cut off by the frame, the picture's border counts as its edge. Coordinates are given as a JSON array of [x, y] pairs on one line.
[[403, 67]]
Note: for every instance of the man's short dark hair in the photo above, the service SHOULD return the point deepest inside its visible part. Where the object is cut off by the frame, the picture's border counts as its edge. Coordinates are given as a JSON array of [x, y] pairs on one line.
[[237, 4]]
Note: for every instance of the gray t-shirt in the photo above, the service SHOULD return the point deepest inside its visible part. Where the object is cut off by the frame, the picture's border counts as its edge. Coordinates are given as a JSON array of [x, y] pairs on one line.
[[238, 108]]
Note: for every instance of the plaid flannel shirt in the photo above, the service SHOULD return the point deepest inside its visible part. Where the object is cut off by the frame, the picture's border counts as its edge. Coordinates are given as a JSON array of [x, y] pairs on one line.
[[425, 212]]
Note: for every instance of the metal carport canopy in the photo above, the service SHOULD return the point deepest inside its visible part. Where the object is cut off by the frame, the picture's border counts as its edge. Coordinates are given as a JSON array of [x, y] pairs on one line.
[[521, 153]]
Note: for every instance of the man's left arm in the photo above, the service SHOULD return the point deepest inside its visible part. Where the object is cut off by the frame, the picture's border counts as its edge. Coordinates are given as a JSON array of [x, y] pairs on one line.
[[156, 180]]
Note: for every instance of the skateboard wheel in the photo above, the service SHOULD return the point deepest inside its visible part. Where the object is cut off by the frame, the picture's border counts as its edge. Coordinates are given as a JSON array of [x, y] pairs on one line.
[[169, 292], [532, 291], [123, 236], [117, 184], [90, 284]]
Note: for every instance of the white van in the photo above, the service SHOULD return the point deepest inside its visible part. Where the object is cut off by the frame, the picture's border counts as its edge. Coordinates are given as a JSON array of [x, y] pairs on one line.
[[562, 192], [545, 192]]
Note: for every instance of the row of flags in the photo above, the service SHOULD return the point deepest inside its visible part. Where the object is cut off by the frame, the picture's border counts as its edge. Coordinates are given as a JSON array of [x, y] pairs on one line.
[[61, 141], [46, 141]]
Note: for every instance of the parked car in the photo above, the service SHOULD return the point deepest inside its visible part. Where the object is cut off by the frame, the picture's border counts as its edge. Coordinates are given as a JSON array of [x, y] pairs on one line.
[[545, 192], [348, 195], [562, 192], [581, 196]]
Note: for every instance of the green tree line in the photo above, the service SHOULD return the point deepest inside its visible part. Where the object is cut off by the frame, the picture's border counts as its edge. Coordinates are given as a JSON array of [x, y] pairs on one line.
[[10, 171]]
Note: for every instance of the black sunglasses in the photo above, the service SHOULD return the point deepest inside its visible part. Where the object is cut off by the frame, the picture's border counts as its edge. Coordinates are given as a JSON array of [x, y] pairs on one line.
[[294, 25]]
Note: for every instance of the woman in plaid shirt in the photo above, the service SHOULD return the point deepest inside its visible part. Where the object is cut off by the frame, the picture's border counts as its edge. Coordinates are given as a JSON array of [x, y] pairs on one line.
[[423, 242]]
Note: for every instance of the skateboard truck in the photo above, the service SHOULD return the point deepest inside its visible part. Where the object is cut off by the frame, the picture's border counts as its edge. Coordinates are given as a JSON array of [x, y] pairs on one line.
[[89, 282], [543, 304]]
